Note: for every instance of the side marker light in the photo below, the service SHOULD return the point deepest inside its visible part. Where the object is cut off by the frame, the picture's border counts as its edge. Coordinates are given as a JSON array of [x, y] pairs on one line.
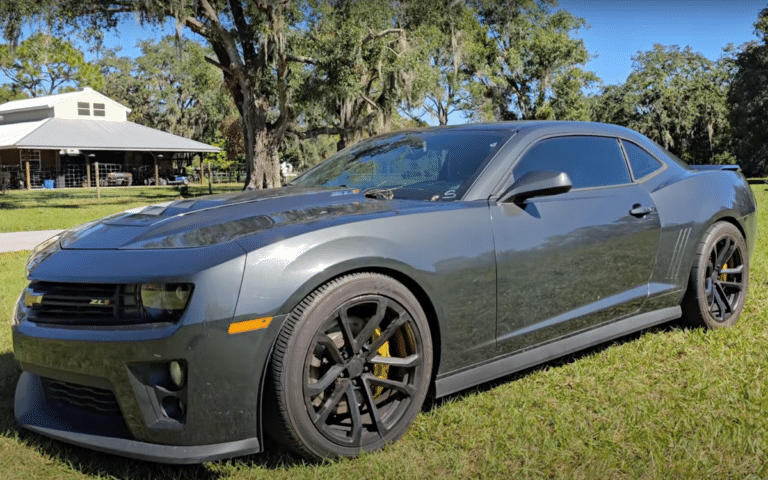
[[249, 325]]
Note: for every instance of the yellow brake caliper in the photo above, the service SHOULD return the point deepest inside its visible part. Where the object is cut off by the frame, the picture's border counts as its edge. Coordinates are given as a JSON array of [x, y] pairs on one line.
[[380, 371], [724, 276]]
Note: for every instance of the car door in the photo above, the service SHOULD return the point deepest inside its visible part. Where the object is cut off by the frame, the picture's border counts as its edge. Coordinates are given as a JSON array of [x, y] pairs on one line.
[[575, 260]]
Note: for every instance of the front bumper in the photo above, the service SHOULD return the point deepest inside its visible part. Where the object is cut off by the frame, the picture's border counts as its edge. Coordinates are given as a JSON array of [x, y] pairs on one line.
[[33, 413], [109, 392]]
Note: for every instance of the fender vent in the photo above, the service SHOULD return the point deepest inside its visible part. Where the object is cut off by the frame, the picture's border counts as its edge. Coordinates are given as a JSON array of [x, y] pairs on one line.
[[678, 253]]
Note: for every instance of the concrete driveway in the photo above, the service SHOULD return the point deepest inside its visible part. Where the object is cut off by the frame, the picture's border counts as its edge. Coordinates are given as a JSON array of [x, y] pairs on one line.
[[16, 241]]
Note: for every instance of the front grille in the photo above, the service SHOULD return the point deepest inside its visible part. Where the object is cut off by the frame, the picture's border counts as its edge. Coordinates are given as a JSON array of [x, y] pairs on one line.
[[85, 304], [87, 399]]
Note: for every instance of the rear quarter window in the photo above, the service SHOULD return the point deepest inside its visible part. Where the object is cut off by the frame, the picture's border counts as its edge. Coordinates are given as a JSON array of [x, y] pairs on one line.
[[641, 162]]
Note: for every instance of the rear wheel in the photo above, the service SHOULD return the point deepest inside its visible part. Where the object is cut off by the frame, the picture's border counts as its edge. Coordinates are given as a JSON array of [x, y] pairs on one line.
[[719, 278], [351, 367]]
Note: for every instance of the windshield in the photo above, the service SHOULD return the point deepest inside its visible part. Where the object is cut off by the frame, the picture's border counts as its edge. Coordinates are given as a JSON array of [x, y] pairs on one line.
[[431, 165]]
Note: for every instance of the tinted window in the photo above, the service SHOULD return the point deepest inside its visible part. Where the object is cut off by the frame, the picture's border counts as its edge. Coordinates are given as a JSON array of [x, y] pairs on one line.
[[642, 162], [413, 164], [589, 161]]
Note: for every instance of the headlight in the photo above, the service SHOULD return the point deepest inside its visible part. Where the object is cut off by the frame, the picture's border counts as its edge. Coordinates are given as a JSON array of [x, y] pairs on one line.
[[43, 251], [165, 301], [54, 244]]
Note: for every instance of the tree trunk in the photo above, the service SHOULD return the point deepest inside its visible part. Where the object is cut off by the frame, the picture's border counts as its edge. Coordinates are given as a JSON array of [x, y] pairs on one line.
[[266, 171], [261, 147], [342, 143]]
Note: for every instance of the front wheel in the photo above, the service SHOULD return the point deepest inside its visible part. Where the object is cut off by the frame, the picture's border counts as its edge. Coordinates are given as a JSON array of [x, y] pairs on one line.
[[351, 367], [717, 286]]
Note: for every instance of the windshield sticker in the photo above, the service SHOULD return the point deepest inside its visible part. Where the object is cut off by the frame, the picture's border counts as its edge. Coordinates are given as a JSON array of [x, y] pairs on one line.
[[344, 192]]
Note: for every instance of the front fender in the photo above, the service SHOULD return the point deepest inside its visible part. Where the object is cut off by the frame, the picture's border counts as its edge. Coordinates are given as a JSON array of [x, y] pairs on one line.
[[448, 254]]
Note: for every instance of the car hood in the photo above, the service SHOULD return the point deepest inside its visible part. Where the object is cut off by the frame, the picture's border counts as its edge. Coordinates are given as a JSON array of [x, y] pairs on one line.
[[274, 213]]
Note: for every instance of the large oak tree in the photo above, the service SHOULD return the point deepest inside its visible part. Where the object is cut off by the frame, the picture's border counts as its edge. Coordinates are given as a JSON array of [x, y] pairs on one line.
[[748, 98]]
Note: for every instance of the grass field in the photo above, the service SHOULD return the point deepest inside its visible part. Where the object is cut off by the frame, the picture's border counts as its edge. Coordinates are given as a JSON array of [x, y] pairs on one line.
[[63, 208], [665, 403]]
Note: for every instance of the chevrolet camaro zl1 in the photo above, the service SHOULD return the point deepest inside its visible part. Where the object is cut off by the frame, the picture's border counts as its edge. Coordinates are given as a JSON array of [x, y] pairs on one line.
[[319, 316]]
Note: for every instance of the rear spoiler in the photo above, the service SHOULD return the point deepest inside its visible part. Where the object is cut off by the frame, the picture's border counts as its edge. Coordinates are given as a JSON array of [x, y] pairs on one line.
[[733, 168]]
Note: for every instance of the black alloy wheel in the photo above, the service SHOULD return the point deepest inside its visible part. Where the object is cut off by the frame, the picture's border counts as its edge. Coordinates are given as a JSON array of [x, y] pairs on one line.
[[719, 278], [351, 367]]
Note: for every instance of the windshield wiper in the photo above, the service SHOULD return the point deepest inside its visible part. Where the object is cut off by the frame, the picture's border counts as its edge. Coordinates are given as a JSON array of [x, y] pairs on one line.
[[380, 193]]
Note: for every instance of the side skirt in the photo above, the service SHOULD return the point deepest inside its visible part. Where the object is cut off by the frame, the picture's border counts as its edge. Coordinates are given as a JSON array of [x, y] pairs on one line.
[[515, 362]]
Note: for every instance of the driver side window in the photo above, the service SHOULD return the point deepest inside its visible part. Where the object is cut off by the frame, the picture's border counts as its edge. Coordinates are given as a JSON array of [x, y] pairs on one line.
[[589, 161]]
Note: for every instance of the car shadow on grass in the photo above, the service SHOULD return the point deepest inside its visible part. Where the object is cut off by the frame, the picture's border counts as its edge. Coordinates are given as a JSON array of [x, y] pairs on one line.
[[557, 362]]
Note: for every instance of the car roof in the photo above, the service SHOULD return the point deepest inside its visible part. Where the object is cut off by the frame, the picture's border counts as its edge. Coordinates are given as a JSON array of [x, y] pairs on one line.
[[537, 128]]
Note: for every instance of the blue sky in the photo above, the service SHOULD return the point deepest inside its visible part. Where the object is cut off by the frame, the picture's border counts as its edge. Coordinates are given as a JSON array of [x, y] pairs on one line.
[[621, 28]]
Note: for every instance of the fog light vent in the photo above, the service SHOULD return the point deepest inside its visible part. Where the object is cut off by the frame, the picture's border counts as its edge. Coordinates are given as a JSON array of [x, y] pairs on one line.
[[174, 407]]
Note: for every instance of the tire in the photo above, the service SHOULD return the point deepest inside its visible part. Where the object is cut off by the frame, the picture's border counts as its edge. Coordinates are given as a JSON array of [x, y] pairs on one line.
[[163, 182], [718, 283], [351, 367]]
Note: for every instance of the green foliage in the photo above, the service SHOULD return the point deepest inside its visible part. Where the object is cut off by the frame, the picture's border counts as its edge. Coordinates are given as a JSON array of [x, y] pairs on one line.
[[449, 43], [169, 87], [676, 97], [8, 93], [748, 99], [43, 65], [354, 73], [537, 71], [303, 154]]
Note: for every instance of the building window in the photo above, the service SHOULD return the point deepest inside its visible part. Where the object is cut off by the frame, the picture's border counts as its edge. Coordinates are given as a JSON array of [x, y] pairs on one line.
[[99, 110], [83, 108]]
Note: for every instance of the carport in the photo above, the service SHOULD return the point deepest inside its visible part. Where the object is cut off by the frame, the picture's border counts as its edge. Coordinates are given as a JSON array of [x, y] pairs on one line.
[[61, 140]]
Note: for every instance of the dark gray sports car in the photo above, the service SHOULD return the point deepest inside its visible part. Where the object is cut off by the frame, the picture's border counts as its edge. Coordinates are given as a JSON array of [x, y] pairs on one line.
[[319, 316]]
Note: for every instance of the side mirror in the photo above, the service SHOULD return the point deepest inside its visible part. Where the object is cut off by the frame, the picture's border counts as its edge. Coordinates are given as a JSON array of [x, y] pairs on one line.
[[537, 184]]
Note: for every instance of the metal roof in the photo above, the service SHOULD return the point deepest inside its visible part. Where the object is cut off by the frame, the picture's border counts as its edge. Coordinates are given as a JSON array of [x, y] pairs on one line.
[[59, 133]]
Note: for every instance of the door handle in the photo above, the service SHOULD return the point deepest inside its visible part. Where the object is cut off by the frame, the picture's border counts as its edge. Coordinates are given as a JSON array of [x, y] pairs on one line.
[[640, 211]]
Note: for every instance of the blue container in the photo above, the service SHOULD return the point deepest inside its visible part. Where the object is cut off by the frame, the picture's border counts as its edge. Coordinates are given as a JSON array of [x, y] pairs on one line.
[[48, 183]]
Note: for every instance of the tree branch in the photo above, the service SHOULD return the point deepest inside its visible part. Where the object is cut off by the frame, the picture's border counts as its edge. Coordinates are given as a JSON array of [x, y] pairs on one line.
[[334, 130], [217, 64], [300, 59], [195, 25], [383, 33], [244, 29]]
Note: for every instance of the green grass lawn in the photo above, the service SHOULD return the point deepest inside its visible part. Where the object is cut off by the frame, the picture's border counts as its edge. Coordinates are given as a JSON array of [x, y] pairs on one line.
[[63, 208], [665, 403]]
